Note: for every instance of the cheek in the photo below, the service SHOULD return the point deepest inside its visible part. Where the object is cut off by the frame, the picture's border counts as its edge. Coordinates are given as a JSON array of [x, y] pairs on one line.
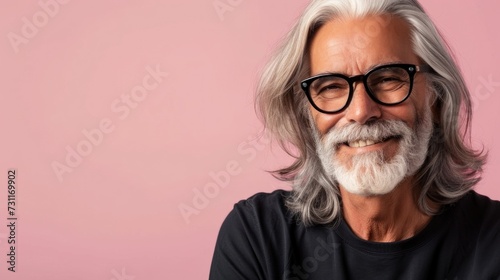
[[405, 112], [411, 111], [421, 99], [324, 122]]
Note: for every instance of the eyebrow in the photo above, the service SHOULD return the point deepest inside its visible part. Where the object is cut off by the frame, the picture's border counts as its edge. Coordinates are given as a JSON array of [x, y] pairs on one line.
[[369, 68]]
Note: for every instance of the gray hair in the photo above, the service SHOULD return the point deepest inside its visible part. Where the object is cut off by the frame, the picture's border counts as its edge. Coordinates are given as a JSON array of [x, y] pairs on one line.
[[452, 166]]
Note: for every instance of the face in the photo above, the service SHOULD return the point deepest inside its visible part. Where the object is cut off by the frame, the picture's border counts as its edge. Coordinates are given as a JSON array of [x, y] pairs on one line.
[[370, 148]]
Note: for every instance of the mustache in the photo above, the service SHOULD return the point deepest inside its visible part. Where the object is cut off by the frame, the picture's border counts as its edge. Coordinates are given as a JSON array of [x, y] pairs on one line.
[[379, 130]]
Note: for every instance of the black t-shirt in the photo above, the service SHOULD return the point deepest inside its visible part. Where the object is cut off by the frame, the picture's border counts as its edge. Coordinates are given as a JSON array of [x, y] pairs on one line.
[[260, 239]]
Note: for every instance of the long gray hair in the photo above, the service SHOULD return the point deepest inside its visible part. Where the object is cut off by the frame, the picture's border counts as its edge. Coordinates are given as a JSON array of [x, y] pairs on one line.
[[452, 166]]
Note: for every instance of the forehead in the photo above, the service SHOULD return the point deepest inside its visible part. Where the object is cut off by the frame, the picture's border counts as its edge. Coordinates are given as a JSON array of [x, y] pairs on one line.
[[355, 45]]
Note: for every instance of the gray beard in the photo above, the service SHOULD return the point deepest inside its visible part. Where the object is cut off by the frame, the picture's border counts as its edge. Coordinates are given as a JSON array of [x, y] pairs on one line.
[[370, 174]]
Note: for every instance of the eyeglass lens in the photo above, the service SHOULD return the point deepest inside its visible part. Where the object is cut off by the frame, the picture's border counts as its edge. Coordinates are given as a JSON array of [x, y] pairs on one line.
[[388, 85]]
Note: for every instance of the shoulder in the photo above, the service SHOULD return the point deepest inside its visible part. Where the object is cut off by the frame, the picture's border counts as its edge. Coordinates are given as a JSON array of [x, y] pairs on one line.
[[477, 221], [260, 211], [480, 207], [254, 229], [477, 225], [487, 212], [478, 211], [264, 202]]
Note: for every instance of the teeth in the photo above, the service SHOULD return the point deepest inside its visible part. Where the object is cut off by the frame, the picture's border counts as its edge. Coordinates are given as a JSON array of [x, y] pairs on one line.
[[362, 143]]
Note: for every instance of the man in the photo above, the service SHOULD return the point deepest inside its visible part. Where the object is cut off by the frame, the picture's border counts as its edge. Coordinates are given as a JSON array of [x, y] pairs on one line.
[[378, 112]]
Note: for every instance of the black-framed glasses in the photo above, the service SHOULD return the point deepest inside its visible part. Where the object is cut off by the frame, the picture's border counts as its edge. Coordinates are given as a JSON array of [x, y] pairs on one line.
[[388, 85]]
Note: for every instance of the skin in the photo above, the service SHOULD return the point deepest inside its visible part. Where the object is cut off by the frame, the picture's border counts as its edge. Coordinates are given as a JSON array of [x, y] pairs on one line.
[[353, 47]]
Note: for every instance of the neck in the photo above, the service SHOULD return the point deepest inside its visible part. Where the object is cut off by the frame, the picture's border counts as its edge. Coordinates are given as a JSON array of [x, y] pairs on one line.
[[386, 218]]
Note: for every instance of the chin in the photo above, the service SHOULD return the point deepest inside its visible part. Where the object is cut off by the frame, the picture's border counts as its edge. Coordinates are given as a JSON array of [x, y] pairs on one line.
[[367, 191]]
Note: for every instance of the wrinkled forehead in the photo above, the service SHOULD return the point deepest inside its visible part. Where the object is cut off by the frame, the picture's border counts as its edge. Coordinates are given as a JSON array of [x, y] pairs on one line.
[[354, 45]]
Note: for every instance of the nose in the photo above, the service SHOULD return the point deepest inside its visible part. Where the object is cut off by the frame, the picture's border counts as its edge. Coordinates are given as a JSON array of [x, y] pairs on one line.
[[362, 108]]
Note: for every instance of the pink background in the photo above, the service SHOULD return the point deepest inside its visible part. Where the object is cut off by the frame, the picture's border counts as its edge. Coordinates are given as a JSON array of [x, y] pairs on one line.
[[116, 214]]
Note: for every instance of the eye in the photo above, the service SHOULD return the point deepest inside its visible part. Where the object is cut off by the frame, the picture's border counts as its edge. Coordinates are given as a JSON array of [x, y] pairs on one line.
[[329, 87], [391, 79], [388, 79]]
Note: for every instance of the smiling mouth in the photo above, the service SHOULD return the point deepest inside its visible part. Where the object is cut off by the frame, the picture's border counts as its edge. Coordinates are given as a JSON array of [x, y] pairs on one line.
[[367, 142]]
